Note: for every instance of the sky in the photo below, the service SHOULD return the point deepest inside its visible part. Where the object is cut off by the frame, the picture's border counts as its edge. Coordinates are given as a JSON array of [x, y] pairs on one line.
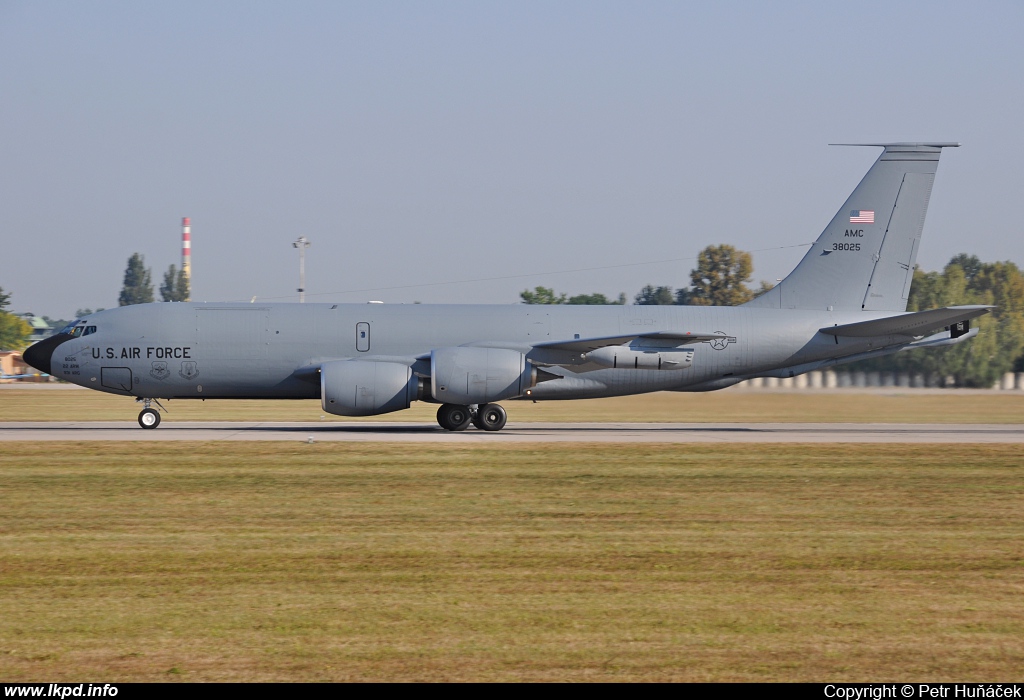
[[464, 151]]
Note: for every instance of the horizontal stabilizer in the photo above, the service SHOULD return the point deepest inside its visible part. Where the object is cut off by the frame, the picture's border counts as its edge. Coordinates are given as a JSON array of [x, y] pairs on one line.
[[588, 344], [913, 324]]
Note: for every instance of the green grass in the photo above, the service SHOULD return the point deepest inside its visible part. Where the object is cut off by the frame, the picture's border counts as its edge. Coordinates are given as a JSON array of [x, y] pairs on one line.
[[890, 406], [276, 561]]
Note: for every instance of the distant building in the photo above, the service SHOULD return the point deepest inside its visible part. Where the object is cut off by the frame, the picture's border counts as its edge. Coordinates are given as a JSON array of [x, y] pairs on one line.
[[14, 369], [40, 328]]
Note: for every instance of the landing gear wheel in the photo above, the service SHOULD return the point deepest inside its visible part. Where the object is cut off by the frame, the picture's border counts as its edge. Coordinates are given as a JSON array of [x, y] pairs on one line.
[[491, 417], [476, 421], [149, 418], [453, 417]]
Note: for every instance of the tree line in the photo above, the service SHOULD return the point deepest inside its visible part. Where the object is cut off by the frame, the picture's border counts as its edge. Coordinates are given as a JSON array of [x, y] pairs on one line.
[[999, 346], [138, 284], [719, 279]]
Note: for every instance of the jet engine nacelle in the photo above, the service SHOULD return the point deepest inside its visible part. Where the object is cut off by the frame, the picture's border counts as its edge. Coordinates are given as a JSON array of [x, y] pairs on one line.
[[361, 388], [624, 357], [479, 375]]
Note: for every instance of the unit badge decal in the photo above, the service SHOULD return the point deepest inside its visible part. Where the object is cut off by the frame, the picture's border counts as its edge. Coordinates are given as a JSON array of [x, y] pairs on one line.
[[160, 371], [189, 370]]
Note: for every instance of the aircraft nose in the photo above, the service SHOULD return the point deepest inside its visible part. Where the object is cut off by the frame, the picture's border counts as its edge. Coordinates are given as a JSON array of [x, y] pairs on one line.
[[40, 354]]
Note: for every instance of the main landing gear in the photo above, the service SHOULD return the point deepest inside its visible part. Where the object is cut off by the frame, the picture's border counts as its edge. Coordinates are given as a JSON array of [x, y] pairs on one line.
[[489, 417], [149, 418]]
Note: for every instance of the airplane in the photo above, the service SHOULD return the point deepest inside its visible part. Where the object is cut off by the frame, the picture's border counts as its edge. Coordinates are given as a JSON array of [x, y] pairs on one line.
[[845, 301]]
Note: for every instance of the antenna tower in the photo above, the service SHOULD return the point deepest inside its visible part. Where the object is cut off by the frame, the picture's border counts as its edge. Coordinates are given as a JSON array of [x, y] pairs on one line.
[[186, 254]]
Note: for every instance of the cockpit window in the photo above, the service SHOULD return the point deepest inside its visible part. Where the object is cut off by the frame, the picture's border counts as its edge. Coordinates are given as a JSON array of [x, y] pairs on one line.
[[77, 328]]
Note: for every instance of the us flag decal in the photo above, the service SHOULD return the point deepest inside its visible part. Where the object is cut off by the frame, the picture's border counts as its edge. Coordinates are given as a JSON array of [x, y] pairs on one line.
[[862, 216]]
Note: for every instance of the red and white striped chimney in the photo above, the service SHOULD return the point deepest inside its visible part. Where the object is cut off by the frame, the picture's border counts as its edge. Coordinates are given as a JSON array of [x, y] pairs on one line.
[[186, 253]]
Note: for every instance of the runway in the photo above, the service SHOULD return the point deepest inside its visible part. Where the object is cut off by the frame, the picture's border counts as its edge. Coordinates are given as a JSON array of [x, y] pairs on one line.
[[519, 432]]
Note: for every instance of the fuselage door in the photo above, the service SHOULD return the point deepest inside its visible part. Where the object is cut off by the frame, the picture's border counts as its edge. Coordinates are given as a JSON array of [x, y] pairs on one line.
[[363, 337], [116, 378]]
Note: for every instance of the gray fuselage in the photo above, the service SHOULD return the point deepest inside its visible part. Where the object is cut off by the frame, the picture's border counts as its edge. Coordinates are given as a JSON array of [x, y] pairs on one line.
[[189, 350]]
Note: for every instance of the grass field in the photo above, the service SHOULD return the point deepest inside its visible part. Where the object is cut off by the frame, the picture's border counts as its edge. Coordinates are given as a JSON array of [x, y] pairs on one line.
[[890, 406], [277, 561]]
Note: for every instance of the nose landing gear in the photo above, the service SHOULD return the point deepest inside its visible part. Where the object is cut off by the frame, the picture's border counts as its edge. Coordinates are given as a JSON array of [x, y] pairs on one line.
[[490, 417], [149, 418]]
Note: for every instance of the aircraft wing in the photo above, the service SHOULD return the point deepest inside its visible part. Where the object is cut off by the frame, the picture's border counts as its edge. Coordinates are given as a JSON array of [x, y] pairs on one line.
[[588, 344], [913, 324]]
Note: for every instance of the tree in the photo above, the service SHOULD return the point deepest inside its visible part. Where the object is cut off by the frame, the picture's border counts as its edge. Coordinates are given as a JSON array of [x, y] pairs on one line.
[[652, 296], [175, 286], [138, 285], [720, 277], [970, 264], [545, 295], [596, 299], [541, 295], [765, 286], [14, 331]]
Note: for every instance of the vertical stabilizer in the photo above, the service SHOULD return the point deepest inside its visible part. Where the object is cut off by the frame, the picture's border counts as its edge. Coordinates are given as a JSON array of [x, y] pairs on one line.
[[864, 259]]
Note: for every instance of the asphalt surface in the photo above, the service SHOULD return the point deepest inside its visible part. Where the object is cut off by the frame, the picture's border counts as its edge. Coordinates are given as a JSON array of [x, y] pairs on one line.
[[518, 432]]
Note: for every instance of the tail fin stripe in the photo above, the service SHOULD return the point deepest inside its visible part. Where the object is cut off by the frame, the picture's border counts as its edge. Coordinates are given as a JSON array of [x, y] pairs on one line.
[[878, 254]]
